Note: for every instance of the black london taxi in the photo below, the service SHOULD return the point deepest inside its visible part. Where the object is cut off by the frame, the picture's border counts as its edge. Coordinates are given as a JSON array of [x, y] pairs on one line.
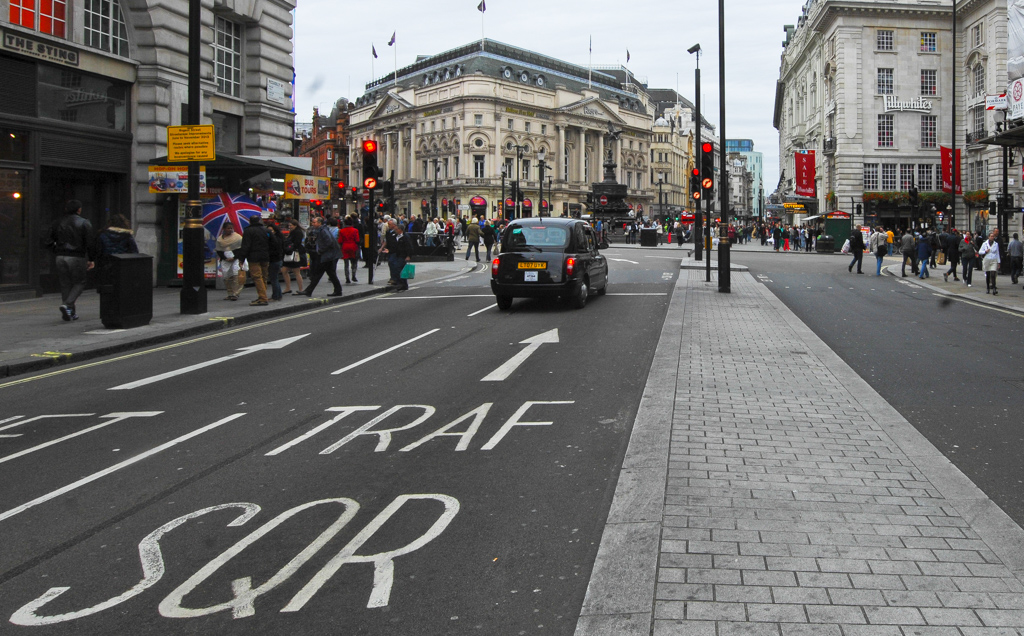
[[548, 257]]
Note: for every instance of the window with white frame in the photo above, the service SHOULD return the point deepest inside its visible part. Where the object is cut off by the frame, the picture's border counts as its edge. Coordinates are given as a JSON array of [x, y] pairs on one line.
[[330, 154], [526, 126], [888, 176], [977, 35], [906, 175], [565, 164], [526, 170], [511, 124], [924, 177], [929, 42], [586, 167], [884, 40], [444, 168], [870, 176], [227, 62], [426, 175], [629, 179], [929, 81], [478, 120], [885, 131], [978, 75], [103, 26], [543, 129], [478, 166], [928, 128], [509, 171], [978, 119], [51, 14], [884, 83], [455, 170]]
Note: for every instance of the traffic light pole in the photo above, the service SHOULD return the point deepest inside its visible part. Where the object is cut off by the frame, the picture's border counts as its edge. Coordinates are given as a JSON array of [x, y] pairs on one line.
[[698, 218], [370, 239], [724, 280]]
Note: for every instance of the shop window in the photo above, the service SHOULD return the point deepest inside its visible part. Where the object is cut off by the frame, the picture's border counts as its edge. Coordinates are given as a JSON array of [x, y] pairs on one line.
[[71, 96], [14, 228], [103, 27], [228, 132], [227, 64]]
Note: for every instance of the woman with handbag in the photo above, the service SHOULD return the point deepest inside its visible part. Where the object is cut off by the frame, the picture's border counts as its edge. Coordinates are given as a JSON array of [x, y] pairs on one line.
[[990, 260], [294, 257], [967, 255]]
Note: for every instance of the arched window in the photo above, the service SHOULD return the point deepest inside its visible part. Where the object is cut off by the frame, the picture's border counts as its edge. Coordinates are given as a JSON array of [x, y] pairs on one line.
[[104, 27]]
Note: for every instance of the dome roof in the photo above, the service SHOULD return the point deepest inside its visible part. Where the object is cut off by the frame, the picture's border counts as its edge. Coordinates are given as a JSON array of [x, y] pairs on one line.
[[661, 122]]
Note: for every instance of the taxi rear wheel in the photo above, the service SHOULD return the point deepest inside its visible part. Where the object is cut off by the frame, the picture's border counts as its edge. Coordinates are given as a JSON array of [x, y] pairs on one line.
[[579, 298], [504, 302]]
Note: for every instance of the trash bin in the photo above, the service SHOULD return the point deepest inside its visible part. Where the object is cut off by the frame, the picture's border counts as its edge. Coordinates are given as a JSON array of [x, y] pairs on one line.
[[126, 291], [826, 244], [648, 237]]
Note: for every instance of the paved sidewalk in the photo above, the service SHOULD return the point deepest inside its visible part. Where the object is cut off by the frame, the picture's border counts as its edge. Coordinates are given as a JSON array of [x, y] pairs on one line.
[[34, 337], [782, 495]]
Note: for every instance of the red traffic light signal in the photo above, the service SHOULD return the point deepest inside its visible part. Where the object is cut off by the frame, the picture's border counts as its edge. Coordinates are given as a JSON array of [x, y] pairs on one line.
[[707, 147], [341, 185]]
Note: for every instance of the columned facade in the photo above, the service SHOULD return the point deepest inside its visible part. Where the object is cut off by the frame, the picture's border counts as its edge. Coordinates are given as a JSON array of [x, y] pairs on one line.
[[476, 112]]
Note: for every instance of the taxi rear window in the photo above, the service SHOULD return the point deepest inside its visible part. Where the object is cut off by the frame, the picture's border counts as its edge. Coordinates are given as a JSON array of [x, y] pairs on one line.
[[533, 237]]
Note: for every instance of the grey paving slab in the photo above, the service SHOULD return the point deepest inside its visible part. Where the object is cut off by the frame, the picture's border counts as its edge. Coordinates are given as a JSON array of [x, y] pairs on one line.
[[795, 500]]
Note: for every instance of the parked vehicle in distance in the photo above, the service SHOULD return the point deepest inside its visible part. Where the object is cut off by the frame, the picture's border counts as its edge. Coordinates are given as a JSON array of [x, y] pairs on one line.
[[546, 257]]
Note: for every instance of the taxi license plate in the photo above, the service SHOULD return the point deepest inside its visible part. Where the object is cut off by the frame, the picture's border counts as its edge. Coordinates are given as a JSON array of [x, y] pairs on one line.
[[533, 265]]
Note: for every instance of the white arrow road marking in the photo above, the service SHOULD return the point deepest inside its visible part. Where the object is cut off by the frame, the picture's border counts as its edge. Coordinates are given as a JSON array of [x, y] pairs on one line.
[[43, 417], [622, 260], [534, 343], [385, 352], [244, 351], [116, 467], [117, 417]]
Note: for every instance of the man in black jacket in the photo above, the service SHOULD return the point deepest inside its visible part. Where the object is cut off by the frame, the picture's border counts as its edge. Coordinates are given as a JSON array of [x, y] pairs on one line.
[[399, 253], [256, 252], [857, 249], [71, 241]]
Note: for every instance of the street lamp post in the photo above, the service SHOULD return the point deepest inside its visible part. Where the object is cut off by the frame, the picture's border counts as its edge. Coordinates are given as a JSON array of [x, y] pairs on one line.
[[519, 175], [698, 218], [501, 205], [661, 209], [433, 201], [540, 192]]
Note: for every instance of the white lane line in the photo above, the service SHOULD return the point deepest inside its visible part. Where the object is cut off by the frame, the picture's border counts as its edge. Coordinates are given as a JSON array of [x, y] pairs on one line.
[[404, 297], [15, 417], [117, 417], [45, 417], [637, 294], [385, 352], [622, 260], [482, 310], [116, 467]]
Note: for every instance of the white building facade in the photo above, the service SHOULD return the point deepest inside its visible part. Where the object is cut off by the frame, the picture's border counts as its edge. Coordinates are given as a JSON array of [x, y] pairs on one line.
[[473, 114]]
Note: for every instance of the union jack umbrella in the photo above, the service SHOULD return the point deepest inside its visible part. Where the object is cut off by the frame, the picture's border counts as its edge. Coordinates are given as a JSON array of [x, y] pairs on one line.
[[237, 208]]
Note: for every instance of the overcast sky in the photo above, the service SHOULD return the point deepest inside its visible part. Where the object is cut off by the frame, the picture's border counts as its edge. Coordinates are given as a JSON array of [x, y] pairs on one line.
[[333, 40]]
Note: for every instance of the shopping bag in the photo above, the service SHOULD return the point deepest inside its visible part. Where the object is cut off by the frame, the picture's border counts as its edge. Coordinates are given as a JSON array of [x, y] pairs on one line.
[[409, 271], [940, 258]]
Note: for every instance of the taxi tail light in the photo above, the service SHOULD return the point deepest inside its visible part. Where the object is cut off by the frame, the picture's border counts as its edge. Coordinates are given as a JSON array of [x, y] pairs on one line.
[[570, 266], [494, 267]]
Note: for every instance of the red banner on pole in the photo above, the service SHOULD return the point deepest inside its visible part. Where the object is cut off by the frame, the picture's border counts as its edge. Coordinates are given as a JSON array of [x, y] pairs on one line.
[[805, 173], [947, 170]]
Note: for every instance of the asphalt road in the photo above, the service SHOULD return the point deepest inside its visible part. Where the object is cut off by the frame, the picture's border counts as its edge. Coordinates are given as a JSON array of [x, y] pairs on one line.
[[211, 487], [952, 368]]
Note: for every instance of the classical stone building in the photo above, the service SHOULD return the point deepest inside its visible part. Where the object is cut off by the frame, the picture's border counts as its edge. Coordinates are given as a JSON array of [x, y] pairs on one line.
[[455, 122], [90, 87], [867, 85]]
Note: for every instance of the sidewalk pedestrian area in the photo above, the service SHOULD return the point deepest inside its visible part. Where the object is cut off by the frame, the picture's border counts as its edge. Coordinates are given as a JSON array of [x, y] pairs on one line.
[[33, 336], [781, 495]]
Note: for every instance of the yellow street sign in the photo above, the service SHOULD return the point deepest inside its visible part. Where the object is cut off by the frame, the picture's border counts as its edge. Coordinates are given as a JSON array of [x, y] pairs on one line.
[[190, 143]]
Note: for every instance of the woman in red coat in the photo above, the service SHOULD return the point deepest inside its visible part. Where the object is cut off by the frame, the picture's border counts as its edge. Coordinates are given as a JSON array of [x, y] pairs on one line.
[[348, 238]]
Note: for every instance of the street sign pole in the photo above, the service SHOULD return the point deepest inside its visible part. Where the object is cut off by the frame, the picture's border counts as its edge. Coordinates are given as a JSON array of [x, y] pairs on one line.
[[724, 280], [193, 288]]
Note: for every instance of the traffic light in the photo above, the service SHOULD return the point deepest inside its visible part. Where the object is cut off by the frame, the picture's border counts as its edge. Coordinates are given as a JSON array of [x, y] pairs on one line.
[[707, 170], [695, 184], [388, 188], [371, 171], [355, 194]]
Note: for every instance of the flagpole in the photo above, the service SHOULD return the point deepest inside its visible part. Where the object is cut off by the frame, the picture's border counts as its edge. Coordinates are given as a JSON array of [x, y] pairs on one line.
[[373, 73], [590, 64], [396, 66]]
